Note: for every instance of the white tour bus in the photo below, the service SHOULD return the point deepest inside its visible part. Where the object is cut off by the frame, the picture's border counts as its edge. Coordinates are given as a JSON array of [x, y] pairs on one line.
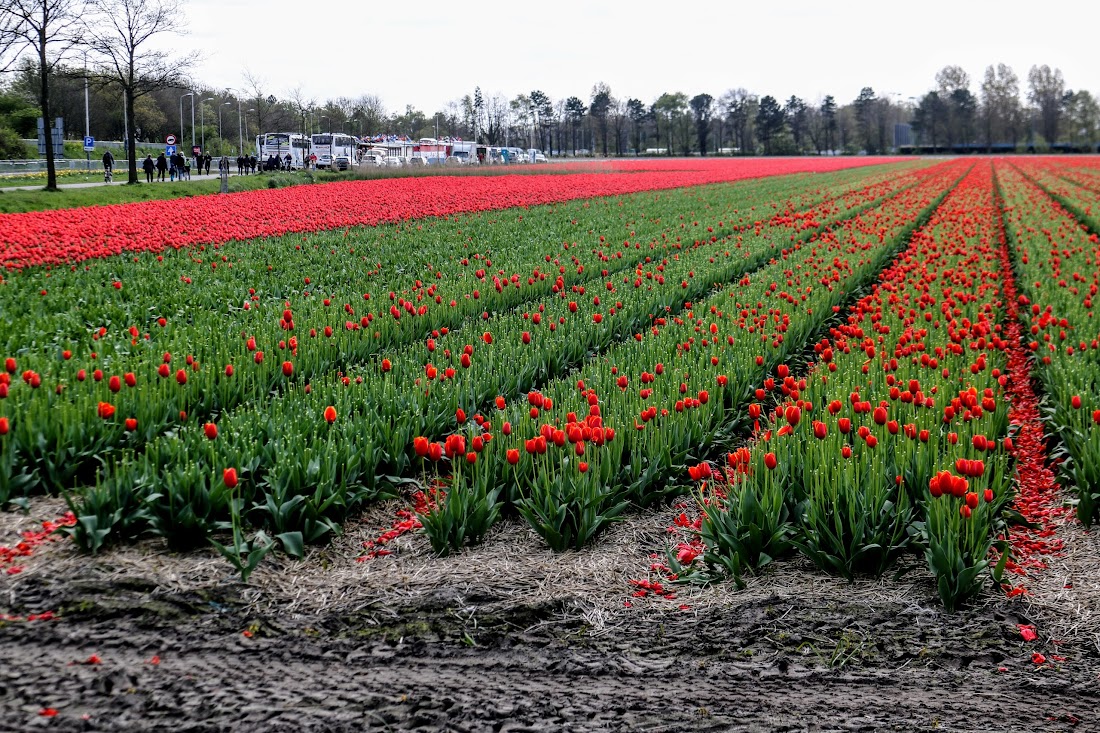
[[328, 146], [281, 143]]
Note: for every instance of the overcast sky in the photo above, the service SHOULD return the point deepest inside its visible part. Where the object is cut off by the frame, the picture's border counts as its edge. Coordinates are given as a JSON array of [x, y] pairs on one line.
[[425, 53]]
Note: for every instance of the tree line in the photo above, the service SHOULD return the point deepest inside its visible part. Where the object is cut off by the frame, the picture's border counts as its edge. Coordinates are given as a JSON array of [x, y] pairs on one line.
[[56, 49]]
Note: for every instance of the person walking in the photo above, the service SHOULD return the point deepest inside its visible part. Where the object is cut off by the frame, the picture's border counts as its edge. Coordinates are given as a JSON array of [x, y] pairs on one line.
[[207, 159], [148, 165], [162, 167]]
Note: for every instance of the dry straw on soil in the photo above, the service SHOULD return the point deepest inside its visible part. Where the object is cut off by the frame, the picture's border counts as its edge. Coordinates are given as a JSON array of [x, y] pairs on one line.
[[513, 569]]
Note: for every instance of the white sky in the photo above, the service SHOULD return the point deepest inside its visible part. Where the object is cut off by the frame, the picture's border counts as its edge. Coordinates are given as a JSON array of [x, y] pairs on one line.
[[428, 52]]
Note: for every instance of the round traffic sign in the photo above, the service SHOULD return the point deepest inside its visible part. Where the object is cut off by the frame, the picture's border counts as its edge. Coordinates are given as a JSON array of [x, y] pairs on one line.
[[170, 140]]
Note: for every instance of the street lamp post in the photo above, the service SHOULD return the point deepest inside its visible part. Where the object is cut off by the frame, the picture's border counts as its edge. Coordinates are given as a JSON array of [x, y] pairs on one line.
[[240, 128], [531, 134], [202, 121], [221, 140], [192, 95], [87, 123]]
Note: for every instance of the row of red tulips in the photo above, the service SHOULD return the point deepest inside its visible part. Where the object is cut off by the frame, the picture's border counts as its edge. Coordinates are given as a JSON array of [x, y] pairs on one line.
[[1058, 263]]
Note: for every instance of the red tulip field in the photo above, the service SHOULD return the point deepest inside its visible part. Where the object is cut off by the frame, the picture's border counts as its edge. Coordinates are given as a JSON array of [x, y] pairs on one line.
[[524, 452]]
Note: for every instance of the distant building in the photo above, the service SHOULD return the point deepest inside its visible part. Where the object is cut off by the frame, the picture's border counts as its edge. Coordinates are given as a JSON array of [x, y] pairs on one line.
[[903, 134]]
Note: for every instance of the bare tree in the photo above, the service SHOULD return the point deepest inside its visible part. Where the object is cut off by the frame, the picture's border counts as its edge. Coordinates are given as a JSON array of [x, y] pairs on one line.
[[47, 28], [301, 105], [372, 111], [119, 32], [265, 104], [1047, 89], [1000, 94]]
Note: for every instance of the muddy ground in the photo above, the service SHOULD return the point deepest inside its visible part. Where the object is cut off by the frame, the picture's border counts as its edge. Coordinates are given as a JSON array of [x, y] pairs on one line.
[[407, 642]]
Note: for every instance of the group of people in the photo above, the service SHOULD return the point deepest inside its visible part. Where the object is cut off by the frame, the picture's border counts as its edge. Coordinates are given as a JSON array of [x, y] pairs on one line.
[[176, 166], [275, 163]]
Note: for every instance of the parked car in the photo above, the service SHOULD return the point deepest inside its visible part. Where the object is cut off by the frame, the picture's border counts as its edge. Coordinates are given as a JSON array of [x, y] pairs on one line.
[[376, 159], [341, 163], [392, 161], [323, 162]]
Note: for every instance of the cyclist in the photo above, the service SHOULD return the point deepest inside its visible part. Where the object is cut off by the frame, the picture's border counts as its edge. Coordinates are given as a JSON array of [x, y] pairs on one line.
[[108, 166]]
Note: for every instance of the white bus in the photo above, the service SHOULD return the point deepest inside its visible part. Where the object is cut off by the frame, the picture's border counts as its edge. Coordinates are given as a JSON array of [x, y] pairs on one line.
[[329, 146], [278, 144]]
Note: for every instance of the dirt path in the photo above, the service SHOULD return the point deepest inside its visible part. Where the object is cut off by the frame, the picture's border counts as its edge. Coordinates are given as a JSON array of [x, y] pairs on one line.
[[523, 640], [780, 663]]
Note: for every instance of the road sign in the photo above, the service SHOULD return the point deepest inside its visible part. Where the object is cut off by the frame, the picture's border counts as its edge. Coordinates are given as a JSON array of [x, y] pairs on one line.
[[89, 143], [171, 139], [170, 149]]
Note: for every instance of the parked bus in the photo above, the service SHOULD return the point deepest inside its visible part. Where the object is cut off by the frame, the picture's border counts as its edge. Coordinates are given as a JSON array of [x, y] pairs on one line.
[[328, 146], [281, 143], [432, 151]]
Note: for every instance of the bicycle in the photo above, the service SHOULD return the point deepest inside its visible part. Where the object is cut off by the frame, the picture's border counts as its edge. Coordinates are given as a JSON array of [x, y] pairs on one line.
[[108, 175]]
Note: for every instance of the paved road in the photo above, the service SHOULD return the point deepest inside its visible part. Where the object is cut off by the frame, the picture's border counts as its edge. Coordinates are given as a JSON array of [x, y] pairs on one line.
[[118, 175]]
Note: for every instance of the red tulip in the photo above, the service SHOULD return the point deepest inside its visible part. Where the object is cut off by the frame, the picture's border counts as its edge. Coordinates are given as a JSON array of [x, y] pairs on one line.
[[114, 384], [455, 445], [181, 376], [386, 365], [460, 415], [105, 410], [770, 461], [229, 370], [229, 477], [131, 424], [820, 430], [1075, 401], [288, 368], [5, 426], [210, 430], [10, 365], [330, 414], [513, 456], [844, 424], [793, 414], [435, 452]]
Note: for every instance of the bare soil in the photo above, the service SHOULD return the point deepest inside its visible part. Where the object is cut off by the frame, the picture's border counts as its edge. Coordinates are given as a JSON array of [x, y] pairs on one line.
[[510, 637]]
